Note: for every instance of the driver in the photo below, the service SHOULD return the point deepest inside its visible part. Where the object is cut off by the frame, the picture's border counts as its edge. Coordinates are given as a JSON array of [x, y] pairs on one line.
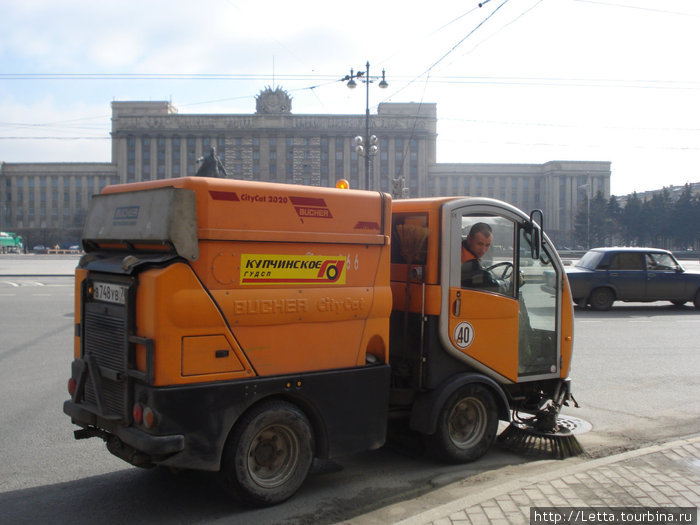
[[474, 247]]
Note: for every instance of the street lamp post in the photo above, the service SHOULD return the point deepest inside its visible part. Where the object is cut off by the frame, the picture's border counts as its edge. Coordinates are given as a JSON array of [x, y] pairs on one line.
[[366, 145]]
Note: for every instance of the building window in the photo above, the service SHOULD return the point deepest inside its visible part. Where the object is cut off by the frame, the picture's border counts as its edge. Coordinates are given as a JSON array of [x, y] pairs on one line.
[[221, 149], [398, 152], [175, 156], [191, 155], [130, 159], [413, 186]]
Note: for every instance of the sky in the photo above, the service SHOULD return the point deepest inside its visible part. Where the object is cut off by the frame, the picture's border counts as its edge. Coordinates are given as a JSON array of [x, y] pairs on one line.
[[515, 81]]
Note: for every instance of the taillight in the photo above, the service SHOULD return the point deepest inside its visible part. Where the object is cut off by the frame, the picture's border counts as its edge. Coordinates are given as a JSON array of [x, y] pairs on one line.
[[71, 386], [144, 414], [149, 417], [137, 412]]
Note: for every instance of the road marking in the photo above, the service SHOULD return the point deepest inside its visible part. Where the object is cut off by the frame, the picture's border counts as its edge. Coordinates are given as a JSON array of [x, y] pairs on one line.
[[10, 283]]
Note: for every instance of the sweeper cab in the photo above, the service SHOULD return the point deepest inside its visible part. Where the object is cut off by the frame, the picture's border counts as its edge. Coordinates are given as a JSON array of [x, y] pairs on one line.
[[248, 328]]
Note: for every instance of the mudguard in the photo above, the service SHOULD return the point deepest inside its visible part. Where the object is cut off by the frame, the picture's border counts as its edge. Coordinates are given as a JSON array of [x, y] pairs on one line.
[[427, 405]]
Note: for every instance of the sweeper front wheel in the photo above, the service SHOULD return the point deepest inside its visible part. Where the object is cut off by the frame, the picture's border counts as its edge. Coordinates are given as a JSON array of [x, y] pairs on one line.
[[466, 426]]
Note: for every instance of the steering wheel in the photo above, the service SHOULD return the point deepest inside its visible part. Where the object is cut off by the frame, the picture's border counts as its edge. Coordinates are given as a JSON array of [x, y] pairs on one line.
[[507, 270]]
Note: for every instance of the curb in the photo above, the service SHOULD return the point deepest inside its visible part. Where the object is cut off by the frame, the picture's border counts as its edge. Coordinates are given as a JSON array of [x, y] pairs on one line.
[[516, 481]]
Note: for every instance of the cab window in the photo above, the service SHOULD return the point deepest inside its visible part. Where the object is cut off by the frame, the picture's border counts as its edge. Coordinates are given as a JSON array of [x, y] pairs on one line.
[[487, 259]]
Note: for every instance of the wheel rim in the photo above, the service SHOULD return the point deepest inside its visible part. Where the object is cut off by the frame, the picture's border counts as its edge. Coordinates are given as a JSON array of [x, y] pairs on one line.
[[467, 422], [273, 456], [602, 299]]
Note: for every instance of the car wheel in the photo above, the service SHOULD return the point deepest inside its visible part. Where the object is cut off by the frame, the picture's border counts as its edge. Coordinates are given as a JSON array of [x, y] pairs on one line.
[[466, 426], [696, 301], [268, 454], [602, 299]]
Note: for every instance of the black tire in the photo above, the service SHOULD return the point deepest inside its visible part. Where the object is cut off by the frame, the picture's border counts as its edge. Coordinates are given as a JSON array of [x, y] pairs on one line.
[[602, 299], [268, 454], [466, 426], [696, 301]]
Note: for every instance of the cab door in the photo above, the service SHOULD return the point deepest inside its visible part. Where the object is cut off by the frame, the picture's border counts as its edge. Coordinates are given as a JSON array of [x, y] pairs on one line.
[[506, 331]]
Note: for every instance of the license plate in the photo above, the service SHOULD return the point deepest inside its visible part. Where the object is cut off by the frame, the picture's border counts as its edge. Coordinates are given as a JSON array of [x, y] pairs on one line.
[[110, 293]]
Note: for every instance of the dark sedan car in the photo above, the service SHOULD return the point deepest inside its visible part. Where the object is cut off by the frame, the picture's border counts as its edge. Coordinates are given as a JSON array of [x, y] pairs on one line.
[[606, 275]]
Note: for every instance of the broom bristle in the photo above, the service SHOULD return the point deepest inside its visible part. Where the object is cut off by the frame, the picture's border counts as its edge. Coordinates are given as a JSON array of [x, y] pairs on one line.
[[530, 442], [412, 238]]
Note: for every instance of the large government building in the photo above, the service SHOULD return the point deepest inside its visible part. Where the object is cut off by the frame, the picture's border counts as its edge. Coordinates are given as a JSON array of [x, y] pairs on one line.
[[47, 202]]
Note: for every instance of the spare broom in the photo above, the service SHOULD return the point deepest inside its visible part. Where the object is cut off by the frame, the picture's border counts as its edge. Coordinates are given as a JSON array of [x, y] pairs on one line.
[[412, 240]]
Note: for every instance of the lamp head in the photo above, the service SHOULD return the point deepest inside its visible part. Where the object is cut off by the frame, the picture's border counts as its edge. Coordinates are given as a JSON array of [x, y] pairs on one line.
[[383, 83]]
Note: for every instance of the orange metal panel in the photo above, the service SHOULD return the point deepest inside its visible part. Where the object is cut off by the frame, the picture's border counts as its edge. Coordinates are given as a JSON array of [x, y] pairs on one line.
[[248, 210], [170, 305], [293, 278], [80, 276], [300, 347], [208, 354], [493, 322], [567, 330]]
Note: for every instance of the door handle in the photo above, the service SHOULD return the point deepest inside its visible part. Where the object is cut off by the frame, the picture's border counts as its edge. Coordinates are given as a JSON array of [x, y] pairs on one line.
[[457, 305]]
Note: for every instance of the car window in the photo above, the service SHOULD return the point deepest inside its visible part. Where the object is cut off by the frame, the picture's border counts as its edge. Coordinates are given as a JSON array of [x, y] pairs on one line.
[[590, 260], [627, 261], [660, 261]]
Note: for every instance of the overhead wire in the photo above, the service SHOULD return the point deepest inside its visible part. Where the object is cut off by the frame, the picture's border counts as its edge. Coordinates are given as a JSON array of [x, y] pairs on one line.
[[430, 78], [639, 8], [427, 78], [454, 47], [502, 28]]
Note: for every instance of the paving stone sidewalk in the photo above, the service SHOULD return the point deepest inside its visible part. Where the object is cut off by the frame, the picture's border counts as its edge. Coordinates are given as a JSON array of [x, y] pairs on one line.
[[665, 475]]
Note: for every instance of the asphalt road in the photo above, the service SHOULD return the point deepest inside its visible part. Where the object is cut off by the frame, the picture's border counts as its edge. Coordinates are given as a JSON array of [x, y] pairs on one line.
[[636, 374]]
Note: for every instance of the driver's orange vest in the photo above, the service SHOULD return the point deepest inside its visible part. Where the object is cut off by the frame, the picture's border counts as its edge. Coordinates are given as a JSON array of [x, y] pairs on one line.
[[467, 255]]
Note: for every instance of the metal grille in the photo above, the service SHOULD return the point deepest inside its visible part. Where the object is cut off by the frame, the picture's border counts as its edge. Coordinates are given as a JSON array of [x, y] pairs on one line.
[[106, 340]]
